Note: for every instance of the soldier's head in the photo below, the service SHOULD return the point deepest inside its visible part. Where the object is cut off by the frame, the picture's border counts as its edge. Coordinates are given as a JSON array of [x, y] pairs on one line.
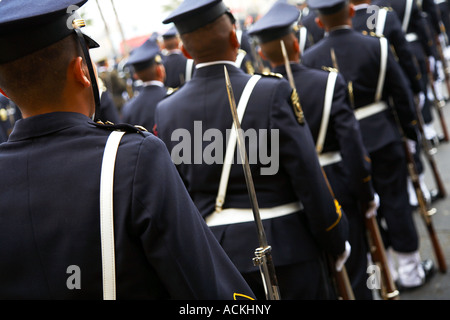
[[147, 62], [280, 23], [332, 13], [171, 39], [206, 29], [43, 66]]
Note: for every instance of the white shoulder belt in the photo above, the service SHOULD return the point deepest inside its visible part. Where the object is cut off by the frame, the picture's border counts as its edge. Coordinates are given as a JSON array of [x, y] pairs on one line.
[[107, 215], [232, 216]]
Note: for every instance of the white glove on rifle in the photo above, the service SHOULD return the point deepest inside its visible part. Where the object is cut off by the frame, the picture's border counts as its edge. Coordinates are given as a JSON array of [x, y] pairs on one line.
[[411, 146], [343, 257], [373, 206]]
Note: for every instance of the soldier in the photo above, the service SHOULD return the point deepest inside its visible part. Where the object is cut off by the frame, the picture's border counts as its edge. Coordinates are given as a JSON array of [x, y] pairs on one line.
[[179, 69], [147, 64], [374, 79], [387, 24], [342, 153], [60, 238], [300, 216]]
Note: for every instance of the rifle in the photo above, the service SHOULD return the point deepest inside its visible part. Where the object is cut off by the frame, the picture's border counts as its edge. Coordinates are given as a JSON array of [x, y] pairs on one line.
[[429, 153], [263, 254], [378, 252], [437, 103], [340, 281], [425, 213]]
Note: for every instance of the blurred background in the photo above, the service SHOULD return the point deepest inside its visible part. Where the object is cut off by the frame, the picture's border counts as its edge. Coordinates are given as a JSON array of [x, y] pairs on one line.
[[122, 25]]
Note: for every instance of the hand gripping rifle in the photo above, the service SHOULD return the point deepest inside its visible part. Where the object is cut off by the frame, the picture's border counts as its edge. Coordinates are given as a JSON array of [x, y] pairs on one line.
[[423, 207], [263, 254], [340, 279]]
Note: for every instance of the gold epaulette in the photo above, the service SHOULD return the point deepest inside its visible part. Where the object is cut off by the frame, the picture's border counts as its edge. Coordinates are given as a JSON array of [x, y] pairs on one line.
[[329, 69], [272, 74], [171, 90]]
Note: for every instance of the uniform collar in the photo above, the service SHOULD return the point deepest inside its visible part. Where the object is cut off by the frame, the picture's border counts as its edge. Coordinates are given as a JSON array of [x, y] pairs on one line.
[[282, 68], [215, 68], [45, 124], [212, 63], [338, 30]]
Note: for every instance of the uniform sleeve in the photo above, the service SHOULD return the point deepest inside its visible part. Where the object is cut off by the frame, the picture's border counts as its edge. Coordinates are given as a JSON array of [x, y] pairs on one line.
[[353, 151], [397, 88], [299, 159], [178, 244]]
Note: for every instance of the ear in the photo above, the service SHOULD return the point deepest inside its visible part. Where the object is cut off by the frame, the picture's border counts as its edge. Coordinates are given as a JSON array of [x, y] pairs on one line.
[[261, 54], [319, 23], [3, 93], [296, 46], [80, 73], [234, 40], [186, 54], [351, 10], [161, 72]]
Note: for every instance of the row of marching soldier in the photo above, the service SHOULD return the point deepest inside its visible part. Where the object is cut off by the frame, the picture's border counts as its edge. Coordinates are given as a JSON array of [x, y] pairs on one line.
[[342, 90]]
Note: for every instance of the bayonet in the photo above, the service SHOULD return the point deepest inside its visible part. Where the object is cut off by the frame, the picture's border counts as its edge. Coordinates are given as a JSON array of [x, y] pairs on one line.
[[263, 254]]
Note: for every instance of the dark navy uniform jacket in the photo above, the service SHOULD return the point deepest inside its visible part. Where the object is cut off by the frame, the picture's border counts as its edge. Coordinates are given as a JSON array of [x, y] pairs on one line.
[[349, 176], [417, 25], [396, 36], [141, 109], [49, 213], [356, 67], [175, 65], [295, 237]]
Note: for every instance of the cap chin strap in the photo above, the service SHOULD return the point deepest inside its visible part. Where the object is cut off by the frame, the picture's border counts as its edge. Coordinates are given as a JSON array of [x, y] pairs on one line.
[[87, 57]]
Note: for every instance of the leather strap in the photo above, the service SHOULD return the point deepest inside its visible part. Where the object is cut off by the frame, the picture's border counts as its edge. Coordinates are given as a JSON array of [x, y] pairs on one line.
[[407, 16], [231, 147], [107, 215], [383, 65], [381, 21], [329, 92]]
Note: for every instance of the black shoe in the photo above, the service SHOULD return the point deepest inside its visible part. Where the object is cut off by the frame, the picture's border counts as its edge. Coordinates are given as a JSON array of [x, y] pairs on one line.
[[435, 195], [429, 268]]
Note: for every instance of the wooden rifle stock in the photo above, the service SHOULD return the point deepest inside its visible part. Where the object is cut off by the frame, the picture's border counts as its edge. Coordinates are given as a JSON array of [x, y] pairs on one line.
[[377, 250], [340, 280], [424, 211], [429, 154]]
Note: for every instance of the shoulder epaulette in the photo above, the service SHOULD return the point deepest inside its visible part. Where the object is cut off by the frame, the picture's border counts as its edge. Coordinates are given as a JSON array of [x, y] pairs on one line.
[[171, 90], [329, 69], [271, 74], [128, 128]]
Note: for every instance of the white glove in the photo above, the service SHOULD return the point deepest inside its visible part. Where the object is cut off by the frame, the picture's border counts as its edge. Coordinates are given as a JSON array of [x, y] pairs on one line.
[[373, 206], [421, 97], [343, 257], [411, 146], [432, 62]]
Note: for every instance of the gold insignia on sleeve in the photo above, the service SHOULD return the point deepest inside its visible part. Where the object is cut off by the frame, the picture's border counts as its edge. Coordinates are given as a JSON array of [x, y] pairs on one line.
[[240, 296], [339, 213], [297, 107]]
